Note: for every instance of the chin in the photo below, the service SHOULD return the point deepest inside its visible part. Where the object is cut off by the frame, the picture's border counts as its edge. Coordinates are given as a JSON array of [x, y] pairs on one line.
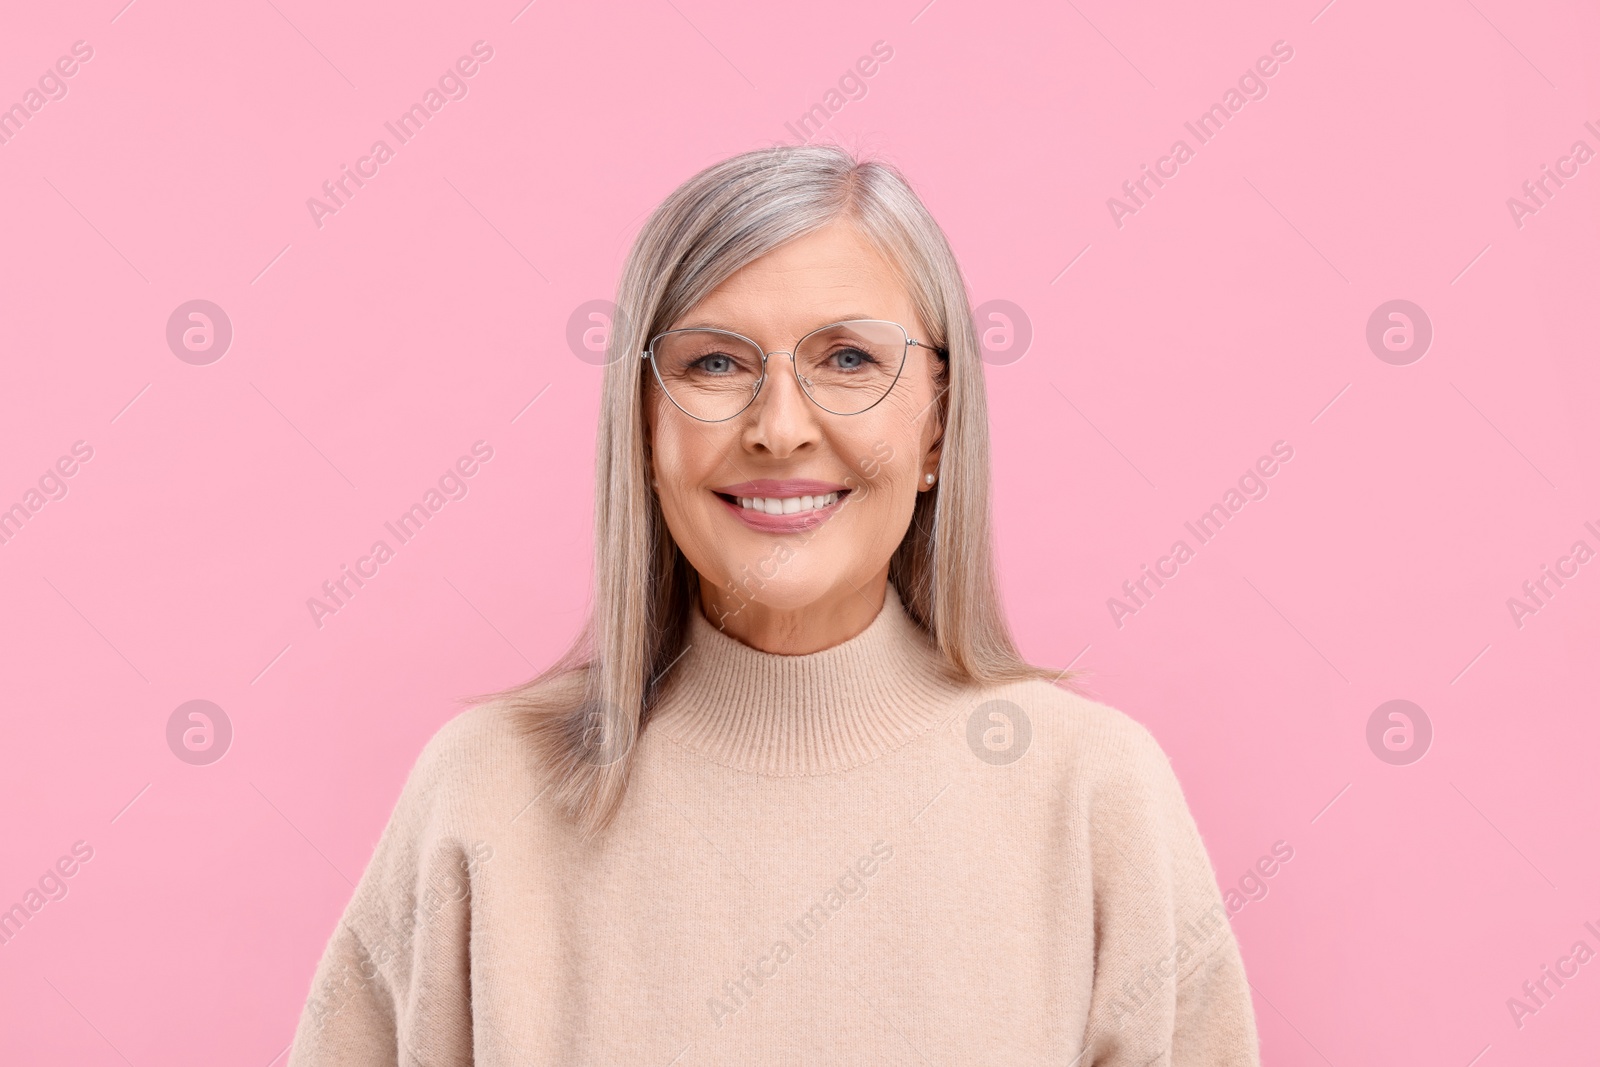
[[771, 587]]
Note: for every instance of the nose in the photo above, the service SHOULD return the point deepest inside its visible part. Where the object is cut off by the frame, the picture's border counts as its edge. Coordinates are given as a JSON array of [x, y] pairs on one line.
[[782, 417]]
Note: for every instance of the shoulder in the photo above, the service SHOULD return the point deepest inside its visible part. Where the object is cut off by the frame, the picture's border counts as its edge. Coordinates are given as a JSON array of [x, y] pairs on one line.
[[1079, 734], [1111, 784], [1106, 766], [483, 757], [467, 740]]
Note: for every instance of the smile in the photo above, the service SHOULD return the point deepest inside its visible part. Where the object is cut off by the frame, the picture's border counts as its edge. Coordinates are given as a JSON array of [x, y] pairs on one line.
[[787, 505]]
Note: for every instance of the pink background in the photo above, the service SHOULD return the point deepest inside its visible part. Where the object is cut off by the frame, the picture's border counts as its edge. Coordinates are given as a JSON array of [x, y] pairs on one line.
[[368, 354]]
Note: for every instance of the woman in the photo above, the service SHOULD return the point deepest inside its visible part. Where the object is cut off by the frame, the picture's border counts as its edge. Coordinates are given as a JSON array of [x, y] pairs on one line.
[[792, 797]]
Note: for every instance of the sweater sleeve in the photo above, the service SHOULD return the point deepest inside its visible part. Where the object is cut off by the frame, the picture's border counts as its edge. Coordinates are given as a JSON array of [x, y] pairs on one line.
[[395, 974], [1169, 985]]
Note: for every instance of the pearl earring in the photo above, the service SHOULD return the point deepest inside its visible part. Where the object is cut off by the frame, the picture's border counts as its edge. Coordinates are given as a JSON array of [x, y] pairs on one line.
[[928, 478]]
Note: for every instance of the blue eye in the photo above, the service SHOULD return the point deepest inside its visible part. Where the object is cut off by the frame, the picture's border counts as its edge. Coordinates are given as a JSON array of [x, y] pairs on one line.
[[851, 358]]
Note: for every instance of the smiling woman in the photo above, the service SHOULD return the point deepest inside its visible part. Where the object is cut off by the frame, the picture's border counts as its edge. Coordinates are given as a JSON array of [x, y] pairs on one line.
[[795, 662], [793, 433]]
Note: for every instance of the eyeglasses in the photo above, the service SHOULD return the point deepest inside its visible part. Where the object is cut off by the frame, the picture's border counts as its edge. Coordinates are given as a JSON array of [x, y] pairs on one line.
[[844, 367]]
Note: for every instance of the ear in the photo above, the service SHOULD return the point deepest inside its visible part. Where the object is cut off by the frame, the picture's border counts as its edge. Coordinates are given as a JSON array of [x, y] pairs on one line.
[[930, 463], [935, 450]]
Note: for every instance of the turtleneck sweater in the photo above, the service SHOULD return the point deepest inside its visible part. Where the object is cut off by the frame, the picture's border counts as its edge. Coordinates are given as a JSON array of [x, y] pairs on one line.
[[844, 856]]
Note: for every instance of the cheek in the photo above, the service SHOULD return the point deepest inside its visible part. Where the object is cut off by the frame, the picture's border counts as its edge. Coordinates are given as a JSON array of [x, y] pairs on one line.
[[911, 409], [673, 446], [887, 449], [885, 461], [682, 459]]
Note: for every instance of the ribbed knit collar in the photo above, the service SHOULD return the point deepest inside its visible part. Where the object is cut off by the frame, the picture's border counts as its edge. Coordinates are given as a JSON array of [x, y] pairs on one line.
[[816, 713]]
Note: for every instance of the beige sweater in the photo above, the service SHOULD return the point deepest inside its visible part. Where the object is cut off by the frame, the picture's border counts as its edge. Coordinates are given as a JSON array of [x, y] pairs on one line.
[[841, 857]]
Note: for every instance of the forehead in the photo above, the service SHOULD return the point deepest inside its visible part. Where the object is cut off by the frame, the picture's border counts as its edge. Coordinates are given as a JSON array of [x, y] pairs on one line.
[[825, 276]]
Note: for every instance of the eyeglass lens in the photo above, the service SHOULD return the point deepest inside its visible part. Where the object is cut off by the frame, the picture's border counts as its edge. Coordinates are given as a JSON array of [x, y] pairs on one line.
[[846, 368]]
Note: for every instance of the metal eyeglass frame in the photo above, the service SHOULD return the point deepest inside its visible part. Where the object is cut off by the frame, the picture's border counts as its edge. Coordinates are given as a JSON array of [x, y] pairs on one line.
[[649, 354]]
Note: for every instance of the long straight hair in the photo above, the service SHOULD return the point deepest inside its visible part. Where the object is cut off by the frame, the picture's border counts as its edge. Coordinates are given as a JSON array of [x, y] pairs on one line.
[[585, 713]]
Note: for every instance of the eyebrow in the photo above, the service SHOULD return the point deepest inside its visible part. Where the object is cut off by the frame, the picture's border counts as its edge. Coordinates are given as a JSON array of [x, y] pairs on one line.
[[847, 316]]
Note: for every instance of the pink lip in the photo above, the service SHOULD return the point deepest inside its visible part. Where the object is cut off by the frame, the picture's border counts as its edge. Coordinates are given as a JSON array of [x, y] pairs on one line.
[[779, 488]]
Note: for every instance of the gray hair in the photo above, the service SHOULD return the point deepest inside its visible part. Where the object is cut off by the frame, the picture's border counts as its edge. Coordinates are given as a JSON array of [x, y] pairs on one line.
[[585, 713]]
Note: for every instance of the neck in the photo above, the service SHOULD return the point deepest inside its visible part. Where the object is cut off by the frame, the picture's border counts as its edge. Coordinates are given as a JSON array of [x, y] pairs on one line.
[[796, 630], [812, 713]]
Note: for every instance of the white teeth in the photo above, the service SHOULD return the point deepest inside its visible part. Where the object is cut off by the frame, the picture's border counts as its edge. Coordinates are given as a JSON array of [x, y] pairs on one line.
[[787, 505]]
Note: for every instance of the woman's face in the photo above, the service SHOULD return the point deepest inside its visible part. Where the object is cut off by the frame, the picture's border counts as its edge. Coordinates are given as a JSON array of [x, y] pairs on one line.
[[762, 566]]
